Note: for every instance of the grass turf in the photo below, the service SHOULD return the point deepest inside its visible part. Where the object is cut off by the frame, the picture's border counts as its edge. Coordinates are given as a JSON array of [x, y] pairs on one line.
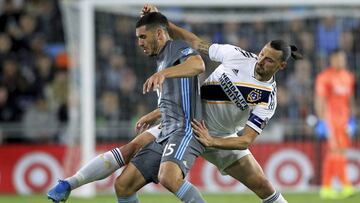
[[167, 198]]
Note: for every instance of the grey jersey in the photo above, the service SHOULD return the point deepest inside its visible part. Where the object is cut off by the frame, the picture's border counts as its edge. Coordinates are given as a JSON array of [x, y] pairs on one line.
[[179, 101]]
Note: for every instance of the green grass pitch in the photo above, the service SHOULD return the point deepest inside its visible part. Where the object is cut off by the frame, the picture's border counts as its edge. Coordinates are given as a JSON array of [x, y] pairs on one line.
[[167, 198]]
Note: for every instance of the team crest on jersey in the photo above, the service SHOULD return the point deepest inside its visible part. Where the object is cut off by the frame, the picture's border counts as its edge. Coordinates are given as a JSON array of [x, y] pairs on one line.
[[254, 95]]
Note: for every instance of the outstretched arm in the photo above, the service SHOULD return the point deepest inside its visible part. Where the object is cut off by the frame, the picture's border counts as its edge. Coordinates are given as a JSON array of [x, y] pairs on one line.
[[177, 32], [194, 65]]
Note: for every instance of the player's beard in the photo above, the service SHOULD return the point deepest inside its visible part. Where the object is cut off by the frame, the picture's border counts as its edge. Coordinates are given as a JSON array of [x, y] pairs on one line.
[[154, 47], [259, 70]]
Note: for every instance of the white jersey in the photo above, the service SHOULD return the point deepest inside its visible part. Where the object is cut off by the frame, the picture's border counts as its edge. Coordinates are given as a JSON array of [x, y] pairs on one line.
[[232, 97]]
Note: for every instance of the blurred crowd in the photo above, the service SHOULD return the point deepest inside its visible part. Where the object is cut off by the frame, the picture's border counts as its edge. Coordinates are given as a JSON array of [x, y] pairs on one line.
[[34, 79]]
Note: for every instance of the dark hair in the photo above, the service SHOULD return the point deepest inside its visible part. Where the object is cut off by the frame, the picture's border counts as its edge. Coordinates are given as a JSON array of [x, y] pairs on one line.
[[336, 51], [288, 50], [152, 20]]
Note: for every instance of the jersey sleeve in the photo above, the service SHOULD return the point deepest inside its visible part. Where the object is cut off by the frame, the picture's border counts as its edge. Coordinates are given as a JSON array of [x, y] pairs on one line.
[[225, 53], [180, 51]]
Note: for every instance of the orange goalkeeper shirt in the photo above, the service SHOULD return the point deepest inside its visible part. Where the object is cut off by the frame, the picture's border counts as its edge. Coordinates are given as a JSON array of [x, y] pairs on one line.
[[337, 86]]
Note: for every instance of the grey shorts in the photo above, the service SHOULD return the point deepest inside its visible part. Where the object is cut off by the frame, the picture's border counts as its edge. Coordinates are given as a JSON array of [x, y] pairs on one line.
[[147, 161], [177, 148], [182, 150]]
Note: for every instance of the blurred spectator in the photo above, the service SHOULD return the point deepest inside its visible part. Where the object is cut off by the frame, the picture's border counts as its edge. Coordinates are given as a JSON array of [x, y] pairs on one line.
[[299, 85], [40, 123], [43, 74], [9, 15], [9, 110], [130, 93], [114, 73], [57, 93], [12, 78], [108, 115], [259, 36], [5, 46], [327, 31]]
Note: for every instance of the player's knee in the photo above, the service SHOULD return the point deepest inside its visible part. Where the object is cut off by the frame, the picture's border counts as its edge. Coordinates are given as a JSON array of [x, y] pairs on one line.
[[121, 189], [164, 178], [169, 181]]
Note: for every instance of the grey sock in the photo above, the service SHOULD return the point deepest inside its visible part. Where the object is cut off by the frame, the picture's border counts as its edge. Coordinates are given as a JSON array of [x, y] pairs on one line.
[[189, 193], [132, 199]]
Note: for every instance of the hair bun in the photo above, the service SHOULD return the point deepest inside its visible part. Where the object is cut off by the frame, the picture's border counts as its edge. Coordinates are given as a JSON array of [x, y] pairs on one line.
[[295, 53]]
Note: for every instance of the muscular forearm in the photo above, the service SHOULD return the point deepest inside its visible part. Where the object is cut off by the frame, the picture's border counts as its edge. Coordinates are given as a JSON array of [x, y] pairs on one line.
[[177, 32], [194, 65], [155, 114], [232, 143]]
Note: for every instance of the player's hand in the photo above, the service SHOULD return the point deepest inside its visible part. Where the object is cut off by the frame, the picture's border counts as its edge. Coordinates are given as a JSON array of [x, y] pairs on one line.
[[321, 129], [154, 83], [148, 8], [202, 133], [144, 123], [351, 128]]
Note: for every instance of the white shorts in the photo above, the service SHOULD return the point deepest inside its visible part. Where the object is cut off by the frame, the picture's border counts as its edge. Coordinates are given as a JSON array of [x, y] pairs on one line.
[[155, 130], [221, 158]]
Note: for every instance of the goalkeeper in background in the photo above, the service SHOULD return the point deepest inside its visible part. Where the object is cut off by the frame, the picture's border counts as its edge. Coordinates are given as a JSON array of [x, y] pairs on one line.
[[334, 106]]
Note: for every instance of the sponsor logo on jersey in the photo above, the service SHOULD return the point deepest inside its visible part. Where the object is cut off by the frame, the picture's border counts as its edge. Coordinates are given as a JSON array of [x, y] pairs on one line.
[[161, 66], [187, 51], [254, 95], [235, 71], [232, 92]]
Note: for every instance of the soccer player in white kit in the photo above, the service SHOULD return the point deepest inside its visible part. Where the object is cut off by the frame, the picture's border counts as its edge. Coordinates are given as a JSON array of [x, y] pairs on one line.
[[236, 97]]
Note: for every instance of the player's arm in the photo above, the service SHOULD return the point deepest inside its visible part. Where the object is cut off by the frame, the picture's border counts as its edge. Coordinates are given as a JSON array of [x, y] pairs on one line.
[[177, 32], [229, 143], [193, 65], [147, 120], [320, 106]]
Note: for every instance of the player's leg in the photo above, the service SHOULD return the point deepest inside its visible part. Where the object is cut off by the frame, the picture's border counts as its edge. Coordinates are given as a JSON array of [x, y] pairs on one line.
[[343, 143], [128, 183], [101, 166], [248, 171], [332, 163], [143, 169], [241, 165], [178, 157]]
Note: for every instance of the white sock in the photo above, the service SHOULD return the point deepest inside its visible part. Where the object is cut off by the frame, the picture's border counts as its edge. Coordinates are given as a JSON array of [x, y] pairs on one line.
[[97, 168], [276, 197]]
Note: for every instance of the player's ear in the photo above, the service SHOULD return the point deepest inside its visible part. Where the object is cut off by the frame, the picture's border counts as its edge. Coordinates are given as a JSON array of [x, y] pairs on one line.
[[283, 65], [159, 33]]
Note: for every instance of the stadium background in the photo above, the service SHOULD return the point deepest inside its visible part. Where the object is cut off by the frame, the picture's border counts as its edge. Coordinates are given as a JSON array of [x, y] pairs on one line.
[[37, 144]]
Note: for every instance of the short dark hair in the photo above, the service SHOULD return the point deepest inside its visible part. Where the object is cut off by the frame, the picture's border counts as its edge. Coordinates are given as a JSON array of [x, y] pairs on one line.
[[288, 50], [336, 51], [152, 20]]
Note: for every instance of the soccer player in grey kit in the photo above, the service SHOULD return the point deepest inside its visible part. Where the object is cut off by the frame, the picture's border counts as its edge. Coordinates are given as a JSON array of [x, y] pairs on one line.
[[179, 102]]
